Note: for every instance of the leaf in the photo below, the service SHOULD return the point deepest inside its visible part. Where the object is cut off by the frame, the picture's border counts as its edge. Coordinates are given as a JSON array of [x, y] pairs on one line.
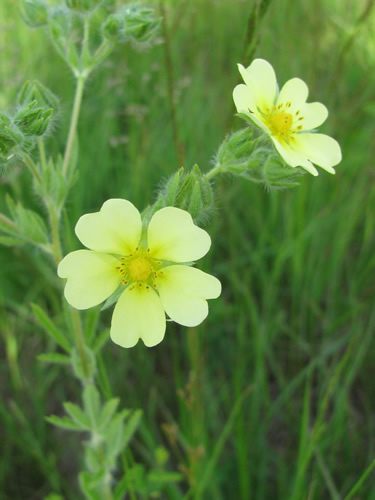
[[50, 328], [8, 241], [162, 477], [106, 414], [79, 417], [64, 423], [87, 484], [131, 426], [91, 403], [83, 371], [54, 357]]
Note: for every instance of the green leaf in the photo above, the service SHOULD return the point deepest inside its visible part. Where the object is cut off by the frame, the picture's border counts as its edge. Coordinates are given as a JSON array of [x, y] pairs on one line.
[[131, 426], [91, 403], [8, 241], [106, 414], [87, 371], [64, 423], [79, 417], [50, 328], [161, 477], [86, 483], [54, 357]]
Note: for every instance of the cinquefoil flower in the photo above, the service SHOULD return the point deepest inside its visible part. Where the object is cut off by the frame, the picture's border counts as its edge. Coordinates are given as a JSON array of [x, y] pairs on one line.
[[286, 117], [151, 266]]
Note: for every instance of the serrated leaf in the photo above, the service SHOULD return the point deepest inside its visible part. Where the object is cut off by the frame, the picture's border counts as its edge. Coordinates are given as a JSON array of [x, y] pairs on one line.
[[50, 328], [76, 413], [91, 403], [63, 423], [106, 414], [54, 357]]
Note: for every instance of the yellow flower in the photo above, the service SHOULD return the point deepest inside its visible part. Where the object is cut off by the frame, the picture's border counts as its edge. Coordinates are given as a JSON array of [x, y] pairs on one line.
[[287, 117], [149, 265]]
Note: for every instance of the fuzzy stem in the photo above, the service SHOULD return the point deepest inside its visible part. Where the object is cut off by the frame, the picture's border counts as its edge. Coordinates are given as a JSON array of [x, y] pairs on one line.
[[42, 153], [32, 167], [217, 169], [73, 123], [54, 224]]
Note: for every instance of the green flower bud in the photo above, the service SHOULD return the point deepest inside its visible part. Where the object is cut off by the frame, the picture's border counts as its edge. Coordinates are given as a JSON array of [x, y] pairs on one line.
[[35, 12], [36, 91], [33, 120], [131, 22], [190, 191], [250, 153], [7, 142]]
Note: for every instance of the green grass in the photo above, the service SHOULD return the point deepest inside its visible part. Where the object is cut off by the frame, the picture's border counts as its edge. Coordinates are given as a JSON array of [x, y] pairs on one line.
[[273, 396]]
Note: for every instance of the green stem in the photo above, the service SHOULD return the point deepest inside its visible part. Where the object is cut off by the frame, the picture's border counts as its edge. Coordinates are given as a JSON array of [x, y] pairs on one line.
[[42, 153], [102, 52], [54, 223], [76, 320], [32, 167], [217, 169], [73, 122]]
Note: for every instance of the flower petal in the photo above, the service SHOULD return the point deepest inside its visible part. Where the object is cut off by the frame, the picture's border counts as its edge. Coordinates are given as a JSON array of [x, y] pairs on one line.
[[294, 91], [314, 114], [115, 229], [294, 158], [244, 102], [319, 149], [183, 292], [173, 236], [92, 277], [138, 315], [261, 79]]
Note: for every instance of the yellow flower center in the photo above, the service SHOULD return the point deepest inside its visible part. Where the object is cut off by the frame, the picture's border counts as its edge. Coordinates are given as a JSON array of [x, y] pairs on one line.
[[140, 269], [280, 123]]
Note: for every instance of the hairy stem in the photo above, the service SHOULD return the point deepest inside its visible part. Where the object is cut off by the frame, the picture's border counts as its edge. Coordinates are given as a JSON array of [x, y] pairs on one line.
[[32, 167], [213, 172], [73, 122]]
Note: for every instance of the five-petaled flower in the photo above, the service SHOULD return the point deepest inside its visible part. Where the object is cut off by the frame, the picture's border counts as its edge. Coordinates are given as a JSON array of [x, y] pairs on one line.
[[152, 266], [286, 117]]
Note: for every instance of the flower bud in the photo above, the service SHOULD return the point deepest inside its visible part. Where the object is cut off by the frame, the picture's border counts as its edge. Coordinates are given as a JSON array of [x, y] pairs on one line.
[[35, 12], [36, 91], [250, 153], [33, 120], [190, 191], [131, 22]]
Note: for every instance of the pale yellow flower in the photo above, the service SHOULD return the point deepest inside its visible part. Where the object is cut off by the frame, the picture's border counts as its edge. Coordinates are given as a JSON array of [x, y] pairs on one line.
[[286, 117], [150, 265]]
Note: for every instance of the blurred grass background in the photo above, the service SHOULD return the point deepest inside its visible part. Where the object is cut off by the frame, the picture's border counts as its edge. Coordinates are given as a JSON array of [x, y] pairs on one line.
[[273, 396]]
